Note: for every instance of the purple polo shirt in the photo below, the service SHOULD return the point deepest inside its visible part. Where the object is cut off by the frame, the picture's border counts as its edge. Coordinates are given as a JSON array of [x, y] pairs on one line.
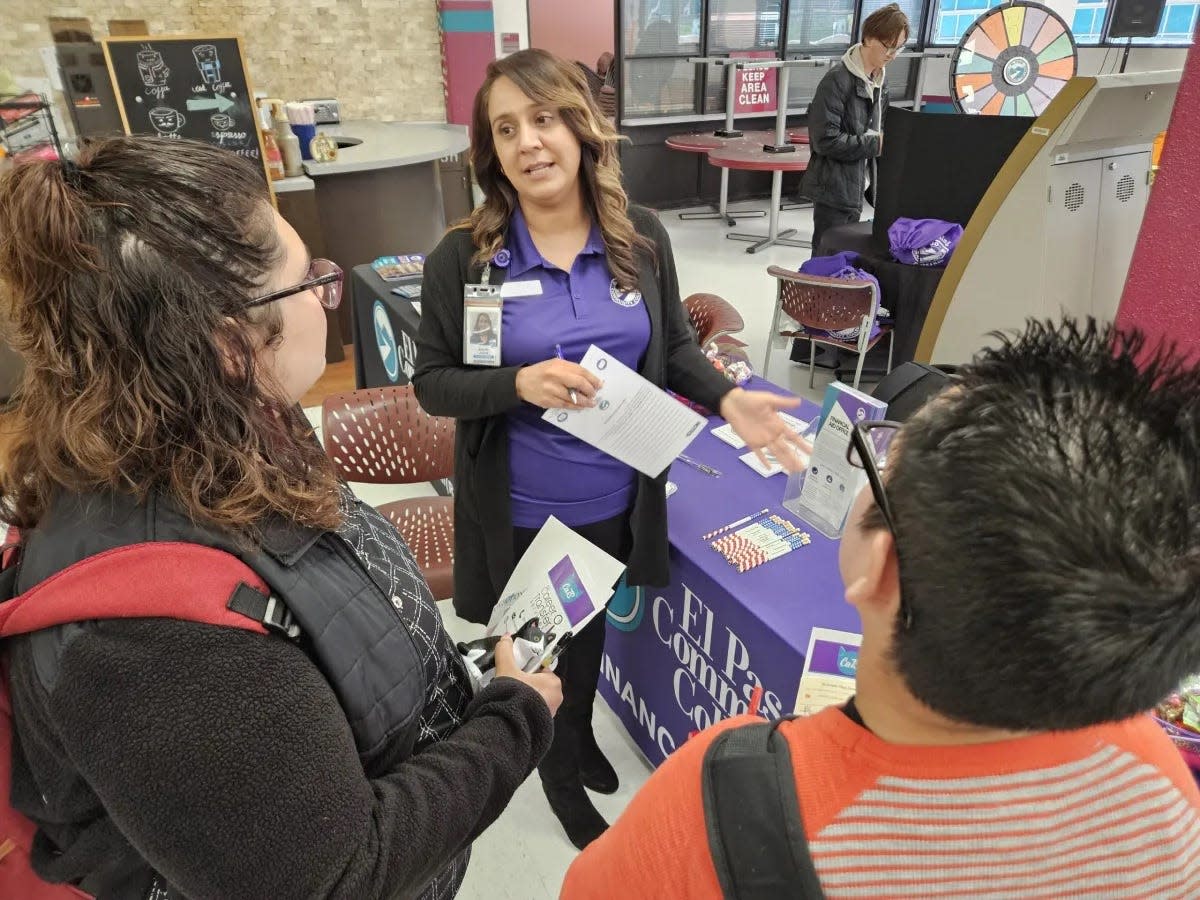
[[551, 472]]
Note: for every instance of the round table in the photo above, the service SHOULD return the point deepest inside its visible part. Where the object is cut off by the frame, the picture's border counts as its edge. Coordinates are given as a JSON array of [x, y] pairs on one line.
[[751, 157], [706, 142]]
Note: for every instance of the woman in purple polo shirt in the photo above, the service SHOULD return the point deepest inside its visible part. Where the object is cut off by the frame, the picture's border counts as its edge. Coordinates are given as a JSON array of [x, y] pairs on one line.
[[578, 266]]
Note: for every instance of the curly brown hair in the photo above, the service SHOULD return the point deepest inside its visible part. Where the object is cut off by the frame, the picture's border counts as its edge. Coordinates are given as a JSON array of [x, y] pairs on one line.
[[125, 277], [547, 79]]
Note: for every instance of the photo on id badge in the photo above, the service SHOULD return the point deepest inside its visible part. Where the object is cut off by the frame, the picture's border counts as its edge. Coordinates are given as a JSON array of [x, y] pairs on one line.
[[481, 333]]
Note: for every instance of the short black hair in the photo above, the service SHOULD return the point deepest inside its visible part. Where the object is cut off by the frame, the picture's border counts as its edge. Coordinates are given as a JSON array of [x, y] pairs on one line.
[[1048, 531]]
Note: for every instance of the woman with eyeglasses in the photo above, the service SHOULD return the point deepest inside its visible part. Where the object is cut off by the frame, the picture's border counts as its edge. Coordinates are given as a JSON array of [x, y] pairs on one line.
[[845, 122], [171, 320]]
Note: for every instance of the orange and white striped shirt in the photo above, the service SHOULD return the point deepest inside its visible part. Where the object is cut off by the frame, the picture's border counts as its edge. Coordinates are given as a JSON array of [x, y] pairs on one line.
[[1108, 812]]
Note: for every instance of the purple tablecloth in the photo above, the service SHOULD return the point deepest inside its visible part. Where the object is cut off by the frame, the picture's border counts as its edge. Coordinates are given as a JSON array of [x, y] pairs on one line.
[[678, 659]]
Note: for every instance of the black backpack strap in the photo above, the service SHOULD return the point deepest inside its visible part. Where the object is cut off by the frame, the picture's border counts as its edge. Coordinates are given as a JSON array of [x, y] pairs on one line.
[[752, 814]]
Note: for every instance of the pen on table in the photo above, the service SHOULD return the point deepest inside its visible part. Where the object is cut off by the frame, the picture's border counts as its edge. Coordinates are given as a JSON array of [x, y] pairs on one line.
[[571, 391], [731, 526], [695, 464]]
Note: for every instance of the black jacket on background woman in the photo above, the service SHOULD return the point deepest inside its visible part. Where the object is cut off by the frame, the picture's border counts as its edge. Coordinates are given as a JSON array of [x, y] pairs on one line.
[[480, 397], [842, 111]]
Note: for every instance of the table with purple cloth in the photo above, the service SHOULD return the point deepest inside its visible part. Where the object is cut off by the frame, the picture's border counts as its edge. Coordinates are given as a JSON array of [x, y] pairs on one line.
[[679, 658]]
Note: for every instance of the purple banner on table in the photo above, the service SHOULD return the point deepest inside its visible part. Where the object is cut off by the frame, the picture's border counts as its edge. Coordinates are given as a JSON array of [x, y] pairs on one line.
[[680, 658]]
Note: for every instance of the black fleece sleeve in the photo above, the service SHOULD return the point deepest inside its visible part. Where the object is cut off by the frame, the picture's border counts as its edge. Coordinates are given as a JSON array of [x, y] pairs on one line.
[[443, 384], [688, 370], [827, 131], [224, 758]]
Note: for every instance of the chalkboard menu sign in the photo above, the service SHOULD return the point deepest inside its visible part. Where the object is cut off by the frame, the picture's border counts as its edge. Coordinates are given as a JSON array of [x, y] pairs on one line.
[[186, 86]]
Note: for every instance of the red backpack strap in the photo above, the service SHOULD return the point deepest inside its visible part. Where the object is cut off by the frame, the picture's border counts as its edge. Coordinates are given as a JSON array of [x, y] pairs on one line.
[[155, 579]]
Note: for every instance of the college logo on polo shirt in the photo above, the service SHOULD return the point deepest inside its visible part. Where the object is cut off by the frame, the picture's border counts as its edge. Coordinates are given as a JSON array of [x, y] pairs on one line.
[[628, 299], [386, 341]]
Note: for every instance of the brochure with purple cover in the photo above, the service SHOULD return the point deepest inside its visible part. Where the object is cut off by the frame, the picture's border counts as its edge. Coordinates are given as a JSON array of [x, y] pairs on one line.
[[569, 589], [563, 580]]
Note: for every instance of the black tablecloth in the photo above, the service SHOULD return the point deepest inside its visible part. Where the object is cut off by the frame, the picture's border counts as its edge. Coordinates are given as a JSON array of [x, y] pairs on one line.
[[385, 337], [385, 331], [906, 292]]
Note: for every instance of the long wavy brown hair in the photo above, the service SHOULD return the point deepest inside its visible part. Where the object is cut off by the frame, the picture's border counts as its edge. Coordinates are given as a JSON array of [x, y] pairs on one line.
[[125, 277], [561, 85]]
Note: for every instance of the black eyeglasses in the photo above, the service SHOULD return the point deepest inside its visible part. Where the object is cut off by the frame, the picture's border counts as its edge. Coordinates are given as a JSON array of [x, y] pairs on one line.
[[867, 450], [324, 277]]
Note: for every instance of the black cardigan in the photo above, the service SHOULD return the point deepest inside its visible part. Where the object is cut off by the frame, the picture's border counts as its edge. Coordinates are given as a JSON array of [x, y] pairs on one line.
[[479, 398]]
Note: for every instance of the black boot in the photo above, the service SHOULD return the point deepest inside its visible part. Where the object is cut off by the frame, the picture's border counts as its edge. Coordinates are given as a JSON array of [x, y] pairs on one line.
[[559, 771], [579, 697], [574, 810], [595, 770]]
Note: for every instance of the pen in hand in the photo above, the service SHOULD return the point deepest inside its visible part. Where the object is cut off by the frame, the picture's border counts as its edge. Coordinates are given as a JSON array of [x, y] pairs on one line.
[[558, 352]]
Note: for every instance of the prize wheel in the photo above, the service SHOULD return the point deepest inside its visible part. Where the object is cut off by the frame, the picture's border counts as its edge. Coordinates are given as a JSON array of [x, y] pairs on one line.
[[1012, 61]]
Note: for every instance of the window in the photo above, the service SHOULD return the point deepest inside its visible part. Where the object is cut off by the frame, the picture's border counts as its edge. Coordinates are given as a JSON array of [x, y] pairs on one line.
[[818, 25], [1086, 17], [1087, 24], [658, 37], [661, 27], [659, 87], [954, 17], [803, 81], [743, 25], [914, 9]]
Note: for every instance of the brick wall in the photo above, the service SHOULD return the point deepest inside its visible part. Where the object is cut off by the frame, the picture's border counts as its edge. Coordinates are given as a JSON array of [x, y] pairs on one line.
[[381, 58]]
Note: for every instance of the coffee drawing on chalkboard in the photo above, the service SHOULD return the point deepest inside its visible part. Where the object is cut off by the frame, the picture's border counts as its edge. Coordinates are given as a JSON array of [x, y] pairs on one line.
[[167, 121], [208, 62], [154, 72], [186, 86]]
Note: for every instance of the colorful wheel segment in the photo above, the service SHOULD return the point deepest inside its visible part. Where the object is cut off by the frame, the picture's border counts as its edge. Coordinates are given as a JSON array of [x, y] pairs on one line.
[[1012, 61]]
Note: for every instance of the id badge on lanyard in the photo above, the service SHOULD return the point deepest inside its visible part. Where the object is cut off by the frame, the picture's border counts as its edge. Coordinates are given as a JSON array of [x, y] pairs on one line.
[[482, 308]]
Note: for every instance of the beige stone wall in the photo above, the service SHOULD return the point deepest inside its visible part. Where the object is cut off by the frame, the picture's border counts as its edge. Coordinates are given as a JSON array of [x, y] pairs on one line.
[[381, 58]]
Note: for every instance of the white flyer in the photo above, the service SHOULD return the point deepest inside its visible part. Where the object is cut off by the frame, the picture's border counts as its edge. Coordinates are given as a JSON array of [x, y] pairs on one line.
[[830, 670], [773, 467], [728, 435], [563, 580], [633, 421]]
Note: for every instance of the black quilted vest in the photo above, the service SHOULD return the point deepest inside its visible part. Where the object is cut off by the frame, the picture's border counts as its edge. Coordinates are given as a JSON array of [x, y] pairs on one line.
[[367, 617]]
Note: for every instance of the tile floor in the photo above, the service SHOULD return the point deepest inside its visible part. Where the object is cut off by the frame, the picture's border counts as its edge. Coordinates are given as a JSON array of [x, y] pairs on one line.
[[525, 854]]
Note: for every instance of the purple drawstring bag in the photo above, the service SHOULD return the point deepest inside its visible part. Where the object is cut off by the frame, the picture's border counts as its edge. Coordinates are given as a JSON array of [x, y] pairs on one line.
[[842, 265], [923, 242]]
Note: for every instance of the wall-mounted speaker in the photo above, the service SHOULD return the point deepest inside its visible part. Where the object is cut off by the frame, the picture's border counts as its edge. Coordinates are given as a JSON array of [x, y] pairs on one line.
[[1135, 18]]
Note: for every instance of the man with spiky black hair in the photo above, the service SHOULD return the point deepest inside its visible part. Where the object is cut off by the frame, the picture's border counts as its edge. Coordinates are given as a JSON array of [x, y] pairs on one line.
[[1026, 564]]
